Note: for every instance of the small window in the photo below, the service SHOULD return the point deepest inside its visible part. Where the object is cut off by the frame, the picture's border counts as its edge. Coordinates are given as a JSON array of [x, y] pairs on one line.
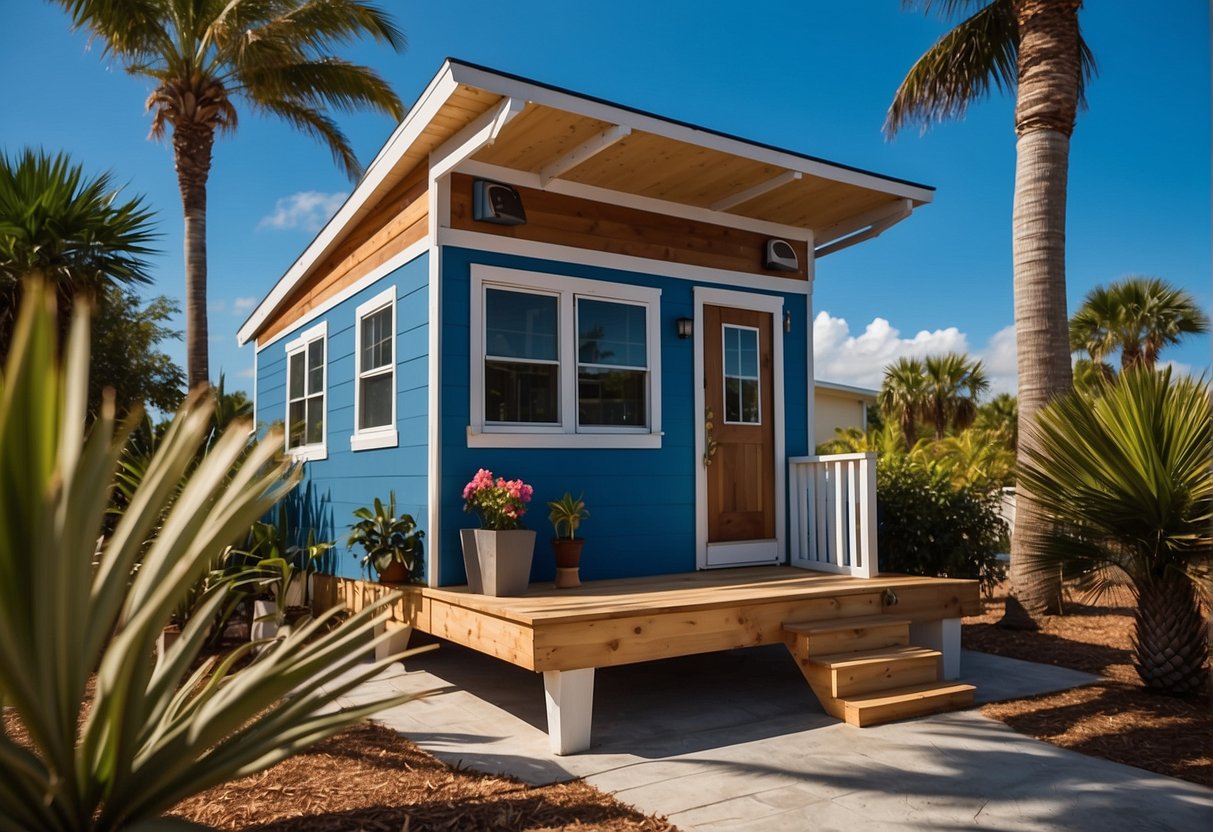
[[305, 394], [375, 367], [612, 363], [741, 392]]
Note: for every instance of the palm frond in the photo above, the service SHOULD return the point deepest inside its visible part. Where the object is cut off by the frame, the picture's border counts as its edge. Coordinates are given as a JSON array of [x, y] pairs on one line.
[[329, 83], [320, 127], [963, 66]]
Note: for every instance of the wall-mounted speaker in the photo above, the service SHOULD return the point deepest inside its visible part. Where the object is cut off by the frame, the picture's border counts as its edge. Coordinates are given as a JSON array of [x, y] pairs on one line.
[[780, 256], [497, 203]]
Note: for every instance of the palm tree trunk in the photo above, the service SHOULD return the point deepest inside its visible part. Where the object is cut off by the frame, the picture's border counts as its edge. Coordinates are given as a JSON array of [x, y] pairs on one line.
[[1044, 119], [1171, 643], [192, 144]]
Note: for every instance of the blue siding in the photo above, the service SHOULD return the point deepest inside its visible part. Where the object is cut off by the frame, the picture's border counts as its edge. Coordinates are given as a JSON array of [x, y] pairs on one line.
[[349, 479], [642, 501]]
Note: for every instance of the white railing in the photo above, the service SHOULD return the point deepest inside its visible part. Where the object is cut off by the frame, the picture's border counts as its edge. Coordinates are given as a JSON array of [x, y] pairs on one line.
[[833, 513]]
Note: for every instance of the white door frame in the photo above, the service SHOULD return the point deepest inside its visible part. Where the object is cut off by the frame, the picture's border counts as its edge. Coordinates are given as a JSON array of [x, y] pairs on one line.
[[741, 553]]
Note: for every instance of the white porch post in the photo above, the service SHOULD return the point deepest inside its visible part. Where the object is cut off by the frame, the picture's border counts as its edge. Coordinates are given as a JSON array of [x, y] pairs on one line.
[[570, 699], [944, 636]]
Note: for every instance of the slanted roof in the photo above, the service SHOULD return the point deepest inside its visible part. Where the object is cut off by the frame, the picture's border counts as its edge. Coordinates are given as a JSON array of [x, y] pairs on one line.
[[472, 114]]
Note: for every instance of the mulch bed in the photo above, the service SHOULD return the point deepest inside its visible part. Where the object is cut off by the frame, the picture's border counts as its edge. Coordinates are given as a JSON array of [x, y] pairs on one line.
[[369, 778], [1117, 719]]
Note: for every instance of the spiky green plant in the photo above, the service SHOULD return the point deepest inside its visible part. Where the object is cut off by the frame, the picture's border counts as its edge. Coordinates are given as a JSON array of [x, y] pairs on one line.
[[73, 605], [1126, 482]]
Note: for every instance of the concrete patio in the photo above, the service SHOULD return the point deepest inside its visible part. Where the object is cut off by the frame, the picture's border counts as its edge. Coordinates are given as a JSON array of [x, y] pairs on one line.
[[736, 741]]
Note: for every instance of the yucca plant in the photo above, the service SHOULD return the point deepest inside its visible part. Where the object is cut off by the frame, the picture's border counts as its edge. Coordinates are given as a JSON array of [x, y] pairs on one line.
[[1126, 481], [73, 605]]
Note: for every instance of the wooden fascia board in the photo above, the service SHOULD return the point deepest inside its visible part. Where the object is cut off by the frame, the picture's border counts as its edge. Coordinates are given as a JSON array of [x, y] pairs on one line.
[[490, 81], [583, 152], [418, 118]]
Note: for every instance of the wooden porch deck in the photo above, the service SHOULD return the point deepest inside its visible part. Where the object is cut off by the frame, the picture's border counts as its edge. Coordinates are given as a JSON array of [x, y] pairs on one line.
[[566, 633]]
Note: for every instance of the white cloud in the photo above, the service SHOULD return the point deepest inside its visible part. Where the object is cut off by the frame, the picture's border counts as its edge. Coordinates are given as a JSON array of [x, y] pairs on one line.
[[861, 359], [247, 372], [308, 210], [243, 304]]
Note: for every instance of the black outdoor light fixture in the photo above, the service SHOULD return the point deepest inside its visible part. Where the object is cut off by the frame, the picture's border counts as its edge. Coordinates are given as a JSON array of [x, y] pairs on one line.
[[686, 326], [496, 203]]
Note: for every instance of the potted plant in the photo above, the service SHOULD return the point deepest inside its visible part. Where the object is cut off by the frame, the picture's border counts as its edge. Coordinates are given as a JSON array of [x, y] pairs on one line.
[[392, 544], [567, 513], [498, 555]]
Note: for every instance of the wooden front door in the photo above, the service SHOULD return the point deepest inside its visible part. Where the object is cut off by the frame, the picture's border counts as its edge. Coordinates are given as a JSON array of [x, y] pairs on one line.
[[739, 436]]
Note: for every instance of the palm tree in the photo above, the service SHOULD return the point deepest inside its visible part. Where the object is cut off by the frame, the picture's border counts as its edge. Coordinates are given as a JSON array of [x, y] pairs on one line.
[[205, 55], [62, 227], [953, 383], [1000, 417], [1035, 48], [1138, 316], [903, 395], [1126, 482]]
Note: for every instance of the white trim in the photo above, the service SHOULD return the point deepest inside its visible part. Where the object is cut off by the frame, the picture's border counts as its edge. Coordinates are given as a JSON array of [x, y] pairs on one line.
[[772, 305], [903, 210], [741, 197], [380, 436], [570, 102], [481, 133], [566, 433], [583, 152], [619, 262], [314, 451], [402, 259], [664, 207], [402, 140], [830, 233], [439, 197]]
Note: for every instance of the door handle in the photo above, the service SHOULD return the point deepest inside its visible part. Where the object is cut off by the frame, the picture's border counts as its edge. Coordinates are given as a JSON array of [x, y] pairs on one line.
[[709, 444]]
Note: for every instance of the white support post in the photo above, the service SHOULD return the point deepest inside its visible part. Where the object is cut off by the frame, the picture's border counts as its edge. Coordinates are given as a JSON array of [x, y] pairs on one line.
[[570, 699], [944, 636]]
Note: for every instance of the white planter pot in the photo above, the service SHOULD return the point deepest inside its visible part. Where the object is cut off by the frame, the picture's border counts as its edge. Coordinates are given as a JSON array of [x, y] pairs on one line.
[[505, 560], [265, 620]]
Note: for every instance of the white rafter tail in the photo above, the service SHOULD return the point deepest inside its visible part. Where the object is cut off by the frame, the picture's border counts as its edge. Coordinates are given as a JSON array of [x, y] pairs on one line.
[[863, 227], [479, 134], [588, 149], [733, 200]]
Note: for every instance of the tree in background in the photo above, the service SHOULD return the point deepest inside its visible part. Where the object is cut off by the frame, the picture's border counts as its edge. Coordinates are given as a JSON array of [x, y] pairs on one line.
[[1035, 48], [68, 229], [1137, 316], [953, 385], [1000, 416], [126, 354], [903, 395], [1126, 482], [205, 55]]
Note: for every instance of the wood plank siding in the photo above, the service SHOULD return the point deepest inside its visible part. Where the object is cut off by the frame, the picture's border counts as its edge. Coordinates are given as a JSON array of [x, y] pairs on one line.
[[605, 623], [399, 220], [582, 223]]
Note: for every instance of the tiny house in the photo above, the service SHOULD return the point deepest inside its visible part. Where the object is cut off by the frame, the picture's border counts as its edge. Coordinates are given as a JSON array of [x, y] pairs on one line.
[[599, 300], [572, 292]]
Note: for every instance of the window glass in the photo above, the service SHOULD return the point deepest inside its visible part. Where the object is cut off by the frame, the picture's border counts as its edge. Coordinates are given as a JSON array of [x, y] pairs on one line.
[[377, 339], [520, 325], [375, 407], [741, 389], [315, 367], [611, 334], [305, 394]]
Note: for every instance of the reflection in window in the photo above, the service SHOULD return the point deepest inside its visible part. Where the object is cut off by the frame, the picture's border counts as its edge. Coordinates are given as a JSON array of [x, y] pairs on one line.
[[305, 395], [612, 364], [741, 391], [375, 374], [522, 363]]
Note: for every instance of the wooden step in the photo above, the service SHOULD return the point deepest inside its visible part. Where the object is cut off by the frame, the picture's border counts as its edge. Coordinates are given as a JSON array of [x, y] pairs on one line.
[[906, 702], [842, 635], [848, 675]]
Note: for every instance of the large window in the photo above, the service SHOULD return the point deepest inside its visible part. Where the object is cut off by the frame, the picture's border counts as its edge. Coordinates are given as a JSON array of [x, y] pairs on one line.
[[375, 370], [563, 362], [305, 388]]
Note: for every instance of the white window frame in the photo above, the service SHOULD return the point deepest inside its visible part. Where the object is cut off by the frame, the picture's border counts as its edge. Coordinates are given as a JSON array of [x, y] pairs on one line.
[[316, 450], [566, 433], [382, 436]]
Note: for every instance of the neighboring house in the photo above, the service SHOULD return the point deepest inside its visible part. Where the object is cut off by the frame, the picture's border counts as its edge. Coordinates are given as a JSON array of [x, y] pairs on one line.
[[638, 329], [838, 407]]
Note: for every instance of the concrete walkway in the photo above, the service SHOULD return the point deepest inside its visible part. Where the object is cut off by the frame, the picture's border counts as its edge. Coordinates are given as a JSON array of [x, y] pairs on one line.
[[736, 741]]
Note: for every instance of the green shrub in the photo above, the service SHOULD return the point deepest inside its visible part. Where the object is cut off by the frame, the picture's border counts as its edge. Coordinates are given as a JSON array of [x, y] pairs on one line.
[[928, 526]]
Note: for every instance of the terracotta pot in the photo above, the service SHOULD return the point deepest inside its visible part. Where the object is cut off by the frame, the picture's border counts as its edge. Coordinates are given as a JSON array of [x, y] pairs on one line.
[[568, 561], [396, 573]]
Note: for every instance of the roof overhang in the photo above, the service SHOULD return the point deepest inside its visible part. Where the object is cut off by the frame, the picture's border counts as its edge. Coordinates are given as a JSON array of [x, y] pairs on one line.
[[483, 119]]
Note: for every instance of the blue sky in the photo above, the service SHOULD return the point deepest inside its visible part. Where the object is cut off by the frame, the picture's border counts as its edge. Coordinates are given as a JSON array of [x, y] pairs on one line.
[[812, 77]]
